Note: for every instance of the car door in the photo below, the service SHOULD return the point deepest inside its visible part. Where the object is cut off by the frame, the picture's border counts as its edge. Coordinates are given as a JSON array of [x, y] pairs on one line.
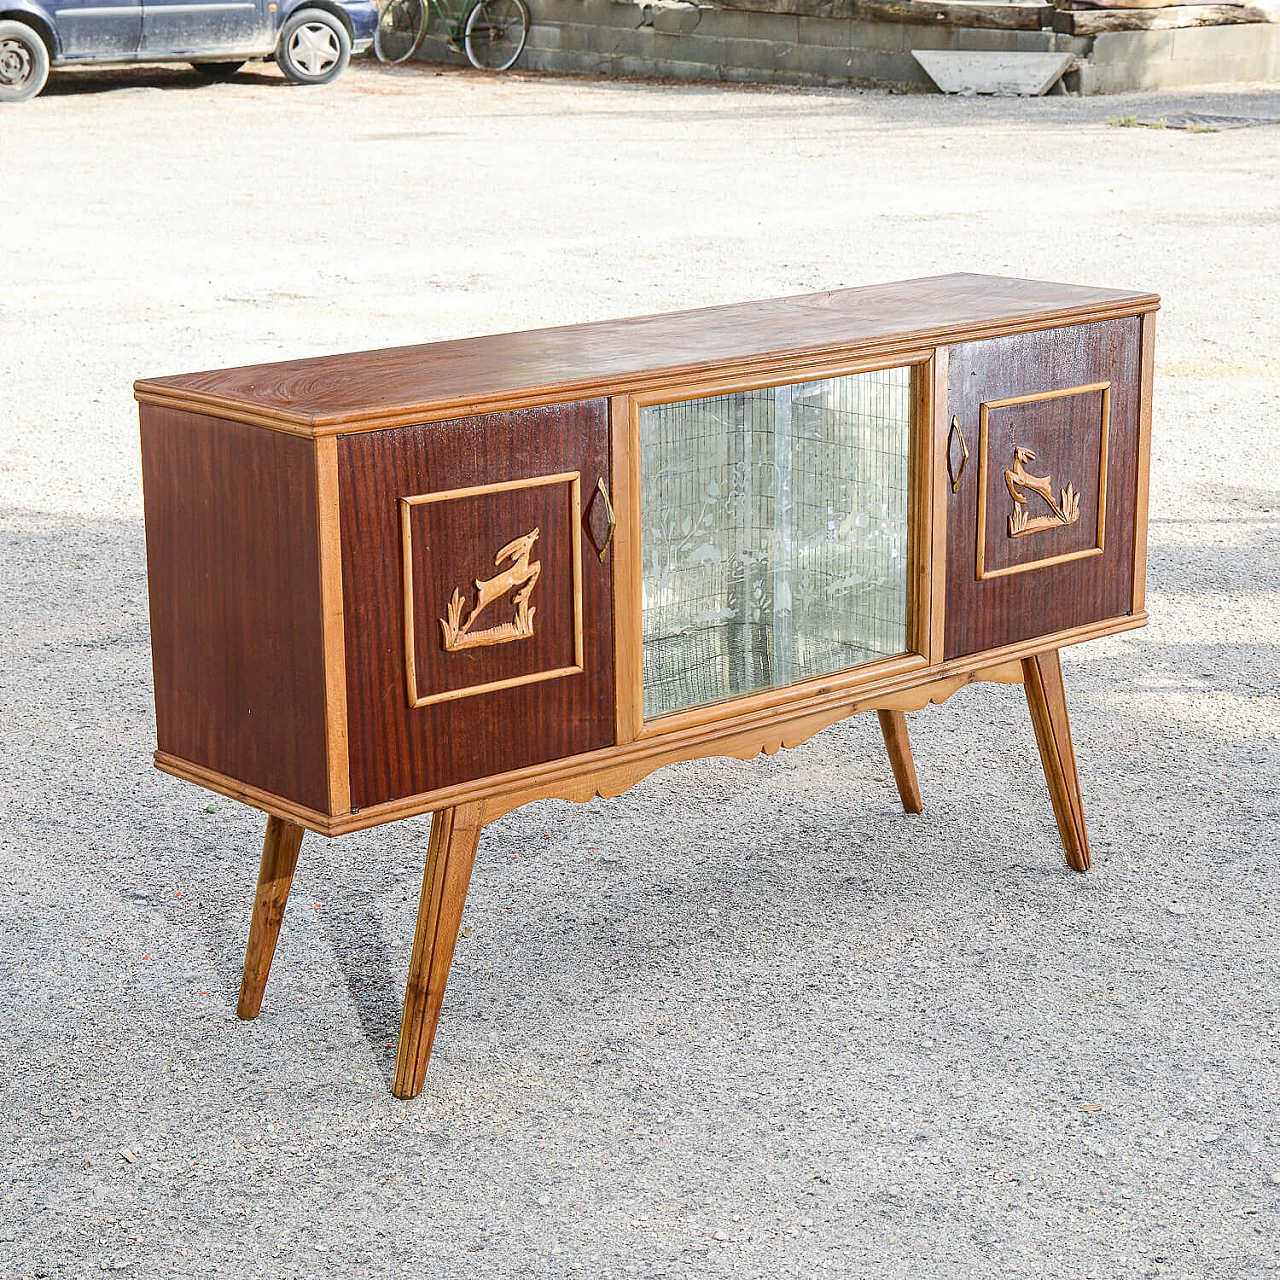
[[203, 26], [98, 28]]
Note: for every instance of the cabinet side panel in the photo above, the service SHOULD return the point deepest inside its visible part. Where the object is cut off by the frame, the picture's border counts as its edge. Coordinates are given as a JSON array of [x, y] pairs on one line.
[[234, 582], [1000, 610], [399, 750]]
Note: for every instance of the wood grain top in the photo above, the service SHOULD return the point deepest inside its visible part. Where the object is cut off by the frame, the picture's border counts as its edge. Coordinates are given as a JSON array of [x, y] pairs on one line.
[[367, 390]]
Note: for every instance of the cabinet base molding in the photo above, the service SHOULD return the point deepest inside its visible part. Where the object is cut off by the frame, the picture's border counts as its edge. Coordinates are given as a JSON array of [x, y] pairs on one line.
[[610, 772]]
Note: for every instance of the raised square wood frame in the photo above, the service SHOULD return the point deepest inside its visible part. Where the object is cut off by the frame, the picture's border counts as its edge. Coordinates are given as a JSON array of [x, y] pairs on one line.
[[984, 456], [574, 512]]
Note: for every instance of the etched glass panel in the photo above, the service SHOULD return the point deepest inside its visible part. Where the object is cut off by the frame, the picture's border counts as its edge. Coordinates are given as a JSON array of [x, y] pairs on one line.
[[773, 535]]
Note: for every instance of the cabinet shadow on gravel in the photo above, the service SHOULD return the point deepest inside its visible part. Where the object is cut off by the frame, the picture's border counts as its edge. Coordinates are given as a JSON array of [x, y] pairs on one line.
[[73, 641]]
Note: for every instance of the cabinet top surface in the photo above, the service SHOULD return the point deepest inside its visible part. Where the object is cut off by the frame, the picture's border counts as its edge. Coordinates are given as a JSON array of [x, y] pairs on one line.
[[370, 389]]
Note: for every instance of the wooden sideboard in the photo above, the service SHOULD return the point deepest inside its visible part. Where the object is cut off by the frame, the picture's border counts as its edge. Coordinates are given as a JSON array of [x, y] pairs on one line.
[[460, 577]]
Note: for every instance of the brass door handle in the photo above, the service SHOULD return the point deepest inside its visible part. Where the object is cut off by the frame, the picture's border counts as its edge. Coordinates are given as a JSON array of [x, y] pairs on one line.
[[609, 516], [954, 472]]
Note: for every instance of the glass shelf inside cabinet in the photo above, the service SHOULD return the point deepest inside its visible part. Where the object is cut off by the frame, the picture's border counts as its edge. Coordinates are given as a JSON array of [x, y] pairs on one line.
[[773, 535]]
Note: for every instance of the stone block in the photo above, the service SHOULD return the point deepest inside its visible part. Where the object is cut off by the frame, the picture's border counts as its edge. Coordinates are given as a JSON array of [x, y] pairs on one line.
[[888, 37], [544, 36], [782, 28], [673, 17], [678, 69], [827, 33], [1236, 41], [978, 40], [888, 68], [722, 23], [830, 65], [707, 53], [1131, 48], [632, 66], [760, 55], [609, 41]]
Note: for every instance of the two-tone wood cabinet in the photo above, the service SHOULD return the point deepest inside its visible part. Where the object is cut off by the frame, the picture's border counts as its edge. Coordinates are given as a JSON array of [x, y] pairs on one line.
[[460, 577]]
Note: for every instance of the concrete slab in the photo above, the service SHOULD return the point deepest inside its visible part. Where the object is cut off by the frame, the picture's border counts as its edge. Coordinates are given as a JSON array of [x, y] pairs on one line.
[[1023, 75]]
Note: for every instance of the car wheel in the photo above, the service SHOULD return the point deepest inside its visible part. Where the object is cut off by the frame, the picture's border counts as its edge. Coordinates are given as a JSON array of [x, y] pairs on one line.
[[217, 70], [24, 62], [314, 47]]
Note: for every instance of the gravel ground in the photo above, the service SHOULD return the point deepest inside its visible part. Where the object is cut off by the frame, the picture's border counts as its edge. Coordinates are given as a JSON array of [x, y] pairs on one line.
[[748, 1019]]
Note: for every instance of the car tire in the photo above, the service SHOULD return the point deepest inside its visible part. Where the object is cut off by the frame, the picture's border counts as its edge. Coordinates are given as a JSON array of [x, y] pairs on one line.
[[314, 47], [24, 62], [217, 70]]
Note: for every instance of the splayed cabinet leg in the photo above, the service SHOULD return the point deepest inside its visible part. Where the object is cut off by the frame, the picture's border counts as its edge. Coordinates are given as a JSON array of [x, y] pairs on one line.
[[1047, 701], [275, 876], [455, 833], [893, 725]]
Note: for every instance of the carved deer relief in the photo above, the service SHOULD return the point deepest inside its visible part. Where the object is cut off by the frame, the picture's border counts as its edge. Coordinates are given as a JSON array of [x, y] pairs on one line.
[[1067, 511], [520, 577]]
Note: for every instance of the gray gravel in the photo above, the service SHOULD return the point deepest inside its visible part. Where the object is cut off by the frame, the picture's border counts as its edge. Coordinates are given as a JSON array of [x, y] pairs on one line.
[[748, 1019]]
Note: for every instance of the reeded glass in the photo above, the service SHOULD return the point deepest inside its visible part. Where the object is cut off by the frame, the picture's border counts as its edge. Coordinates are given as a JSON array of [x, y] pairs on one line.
[[773, 535]]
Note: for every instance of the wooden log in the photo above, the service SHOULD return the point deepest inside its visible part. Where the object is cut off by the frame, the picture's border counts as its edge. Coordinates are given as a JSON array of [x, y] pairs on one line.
[[1028, 15], [1136, 4], [1093, 22], [998, 17]]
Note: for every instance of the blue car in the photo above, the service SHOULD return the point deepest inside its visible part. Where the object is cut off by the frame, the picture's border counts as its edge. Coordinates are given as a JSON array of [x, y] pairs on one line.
[[312, 40]]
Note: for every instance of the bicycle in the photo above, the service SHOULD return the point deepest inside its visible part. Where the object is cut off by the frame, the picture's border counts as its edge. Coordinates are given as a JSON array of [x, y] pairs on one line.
[[492, 33]]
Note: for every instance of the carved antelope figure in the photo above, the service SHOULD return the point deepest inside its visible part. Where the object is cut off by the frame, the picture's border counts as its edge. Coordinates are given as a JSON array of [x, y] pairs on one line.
[[1042, 485], [521, 574]]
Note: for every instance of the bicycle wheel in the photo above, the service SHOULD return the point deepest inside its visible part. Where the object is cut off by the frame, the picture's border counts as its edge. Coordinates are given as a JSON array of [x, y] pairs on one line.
[[495, 33], [399, 30]]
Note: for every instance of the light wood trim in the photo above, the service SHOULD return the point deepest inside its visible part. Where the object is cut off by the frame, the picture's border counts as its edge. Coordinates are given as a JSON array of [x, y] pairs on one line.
[[1147, 368], [254, 797], [932, 511], [984, 455], [574, 480], [907, 691], [624, 471], [893, 728], [771, 700], [937, 692], [777, 373], [280, 848], [451, 854], [614, 779], [337, 748], [888, 350]]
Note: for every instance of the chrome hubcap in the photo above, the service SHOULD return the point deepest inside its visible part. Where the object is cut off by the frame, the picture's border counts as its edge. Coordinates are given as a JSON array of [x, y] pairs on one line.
[[314, 48]]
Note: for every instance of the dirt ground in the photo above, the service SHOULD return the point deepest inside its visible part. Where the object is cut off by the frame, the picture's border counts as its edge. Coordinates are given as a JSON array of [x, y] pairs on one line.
[[748, 1019]]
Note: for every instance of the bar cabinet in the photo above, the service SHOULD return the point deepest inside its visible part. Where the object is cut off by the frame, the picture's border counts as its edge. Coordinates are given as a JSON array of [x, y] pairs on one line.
[[460, 577]]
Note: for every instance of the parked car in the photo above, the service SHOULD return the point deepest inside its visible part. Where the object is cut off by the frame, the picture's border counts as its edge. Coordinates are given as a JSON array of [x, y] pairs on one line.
[[312, 40]]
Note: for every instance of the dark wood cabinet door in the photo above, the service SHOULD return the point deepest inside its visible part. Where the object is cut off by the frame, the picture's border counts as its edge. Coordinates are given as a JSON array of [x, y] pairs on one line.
[[479, 630], [1040, 529]]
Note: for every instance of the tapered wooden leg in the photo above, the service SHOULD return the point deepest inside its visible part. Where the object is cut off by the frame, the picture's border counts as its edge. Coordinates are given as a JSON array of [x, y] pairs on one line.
[[279, 858], [451, 854], [893, 725], [1042, 679]]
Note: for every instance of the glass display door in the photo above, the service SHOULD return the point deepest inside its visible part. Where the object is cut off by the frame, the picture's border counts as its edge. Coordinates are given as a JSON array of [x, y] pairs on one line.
[[773, 538]]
